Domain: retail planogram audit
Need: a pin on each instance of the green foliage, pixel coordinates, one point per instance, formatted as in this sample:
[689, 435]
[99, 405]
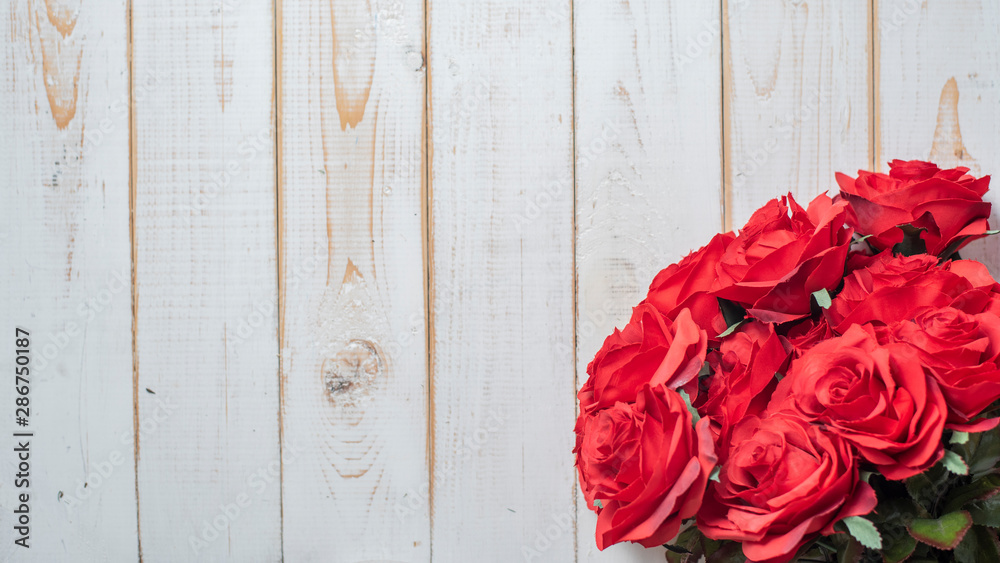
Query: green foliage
[863, 530]
[981, 452]
[980, 544]
[985, 512]
[691, 546]
[954, 463]
[912, 242]
[695, 417]
[733, 314]
[944, 532]
[823, 298]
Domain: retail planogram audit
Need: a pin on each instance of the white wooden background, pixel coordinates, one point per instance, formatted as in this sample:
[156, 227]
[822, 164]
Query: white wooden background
[317, 281]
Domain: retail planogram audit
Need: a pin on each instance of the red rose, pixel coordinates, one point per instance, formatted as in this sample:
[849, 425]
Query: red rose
[650, 349]
[785, 482]
[984, 297]
[743, 376]
[878, 397]
[685, 285]
[778, 260]
[885, 289]
[646, 464]
[807, 334]
[948, 204]
[963, 351]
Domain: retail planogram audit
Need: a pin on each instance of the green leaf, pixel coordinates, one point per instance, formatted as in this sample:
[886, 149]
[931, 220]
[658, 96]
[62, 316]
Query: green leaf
[715, 473]
[912, 243]
[597, 503]
[864, 531]
[895, 510]
[926, 488]
[996, 232]
[900, 548]
[981, 452]
[952, 250]
[979, 489]
[954, 463]
[848, 549]
[731, 312]
[695, 417]
[960, 438]
[823, 298]
[985, 512]
[731, 329]
[978, 545]
[944, 532]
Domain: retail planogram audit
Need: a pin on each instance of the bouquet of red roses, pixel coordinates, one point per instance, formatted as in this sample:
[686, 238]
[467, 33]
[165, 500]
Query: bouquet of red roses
[822, 385]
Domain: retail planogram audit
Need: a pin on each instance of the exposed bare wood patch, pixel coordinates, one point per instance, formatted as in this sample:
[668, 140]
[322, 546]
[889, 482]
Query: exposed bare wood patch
[354, 344]
[61, 57]
[64, 168]
[947, 148]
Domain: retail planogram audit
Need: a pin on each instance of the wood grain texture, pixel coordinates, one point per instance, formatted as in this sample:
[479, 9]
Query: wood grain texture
[206, 282]
[648, 167]
[502, 280]
[938, 92]
[65, 264]
[354, 364]
[797, 98]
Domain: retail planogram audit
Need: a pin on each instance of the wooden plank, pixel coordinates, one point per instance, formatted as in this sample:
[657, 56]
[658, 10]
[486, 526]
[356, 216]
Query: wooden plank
[649, 178]
[64, 168]
[206, 282]
[797, 98]
[938, 85]
[502, 279]
[354, 342]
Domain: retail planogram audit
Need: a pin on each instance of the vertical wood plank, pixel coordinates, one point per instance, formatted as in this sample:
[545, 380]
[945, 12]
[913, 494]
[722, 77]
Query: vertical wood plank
[797, 98]
[502, 279]
[65, 268]
[649, 178]
[354, 363]
[938, 91]
[206, 282]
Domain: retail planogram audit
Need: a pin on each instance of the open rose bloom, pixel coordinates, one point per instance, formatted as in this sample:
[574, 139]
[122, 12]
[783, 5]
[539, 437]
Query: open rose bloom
[822, 385]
